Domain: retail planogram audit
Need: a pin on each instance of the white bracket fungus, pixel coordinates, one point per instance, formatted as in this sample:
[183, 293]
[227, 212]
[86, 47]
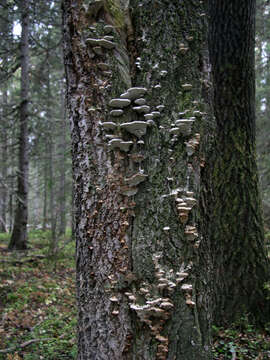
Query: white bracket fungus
[117, 112]
[101, 42]
[109, 125]
[134, 93]
[149, 116]
[119, 103]
[187, 288]
[108, 37]
[137, 128]
[160, 107]
[142, 109]
[187, 86]
[108, 29]
[184, 126]
[140, 101]
[120, 144]
[191, 233]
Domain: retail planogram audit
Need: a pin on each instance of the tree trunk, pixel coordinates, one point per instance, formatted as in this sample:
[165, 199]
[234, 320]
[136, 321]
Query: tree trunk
[235, 222]
[45, 193]
[19, 234]
[62, 152]
[4, 164]
[142, 276]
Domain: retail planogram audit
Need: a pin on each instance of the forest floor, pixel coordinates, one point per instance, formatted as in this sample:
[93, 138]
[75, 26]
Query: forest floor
[38, 308]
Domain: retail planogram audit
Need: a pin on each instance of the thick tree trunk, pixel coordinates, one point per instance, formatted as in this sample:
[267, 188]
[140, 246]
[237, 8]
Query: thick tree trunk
[19, 234]
[235, 222]
[142, 284]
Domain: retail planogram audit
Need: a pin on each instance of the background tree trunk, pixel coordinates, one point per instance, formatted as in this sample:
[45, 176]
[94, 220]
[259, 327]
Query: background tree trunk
[142, 284]
[235, 222]
[19, 234]
[63, 167]
[4, 163]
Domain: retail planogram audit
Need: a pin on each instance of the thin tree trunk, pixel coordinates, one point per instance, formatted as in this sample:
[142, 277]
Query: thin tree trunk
[235, 221]
[4, 165]
[45, 192]
[62, 183]
[19, 234]
[142, 284]
[52, 205]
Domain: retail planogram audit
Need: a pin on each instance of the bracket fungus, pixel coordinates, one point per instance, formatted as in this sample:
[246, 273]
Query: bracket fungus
[190, 201]
[103, 66]
[187, 87]
[120, 144]
[98, 50]
[101, 42]
[108, 29]
[114, 299]
[140, 101]
[108, 125]
[119, 103]
[142, 109]
[135, 179]
[117, 112]
[174, 131]
[192, 144]
[191, 233]
[137, 128]
[160, 107]
[134, 93]
[108, 37]
[128, 191]
[187, 288]
[184, 126]
[156, 114]
[149, 116]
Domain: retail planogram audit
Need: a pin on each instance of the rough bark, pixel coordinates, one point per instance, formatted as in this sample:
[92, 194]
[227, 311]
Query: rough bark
[235, 222]
[142, 286]
[19, 234]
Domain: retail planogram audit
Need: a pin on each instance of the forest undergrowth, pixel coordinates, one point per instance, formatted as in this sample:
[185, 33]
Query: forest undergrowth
[38, 308]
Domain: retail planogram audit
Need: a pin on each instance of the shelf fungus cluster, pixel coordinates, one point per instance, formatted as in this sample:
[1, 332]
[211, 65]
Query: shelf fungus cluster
[153, 304]
[187, 289]
[192, 144]
[184, 205]
[126, 136]
[99, 46]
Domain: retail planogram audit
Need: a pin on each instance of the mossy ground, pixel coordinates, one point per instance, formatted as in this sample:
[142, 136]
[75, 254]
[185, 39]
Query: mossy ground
[37, 302]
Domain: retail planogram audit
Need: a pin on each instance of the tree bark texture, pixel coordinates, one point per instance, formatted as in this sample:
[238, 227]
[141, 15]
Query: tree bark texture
[19, 234]
[4, 165]
[142, 278]
[235, 222]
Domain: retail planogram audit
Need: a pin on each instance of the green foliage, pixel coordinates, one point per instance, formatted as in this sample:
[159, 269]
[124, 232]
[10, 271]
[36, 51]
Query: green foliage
[242, 341]
[37, 300]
